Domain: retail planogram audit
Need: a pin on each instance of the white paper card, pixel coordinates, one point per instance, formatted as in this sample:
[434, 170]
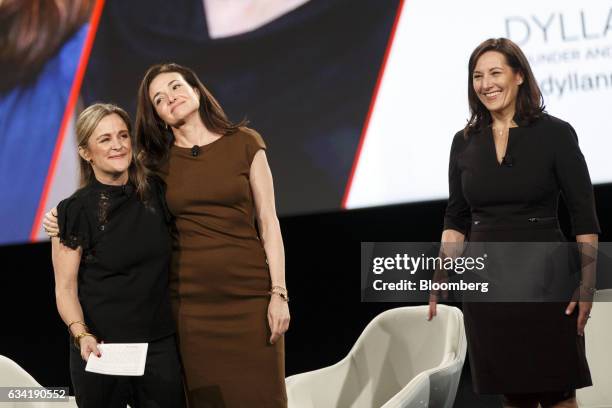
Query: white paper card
[119, 359]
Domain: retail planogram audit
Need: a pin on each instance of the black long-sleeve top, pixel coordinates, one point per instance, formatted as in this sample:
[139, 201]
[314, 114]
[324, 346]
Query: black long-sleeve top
[543, 160]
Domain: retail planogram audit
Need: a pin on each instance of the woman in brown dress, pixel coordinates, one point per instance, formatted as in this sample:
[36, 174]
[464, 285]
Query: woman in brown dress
[228, 284]
[228, 278]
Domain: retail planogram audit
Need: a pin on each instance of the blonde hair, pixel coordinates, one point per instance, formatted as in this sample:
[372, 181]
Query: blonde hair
[86, 123]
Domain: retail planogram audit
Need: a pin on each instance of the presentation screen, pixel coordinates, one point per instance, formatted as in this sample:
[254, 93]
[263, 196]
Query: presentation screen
[356, 100]
[422, 98]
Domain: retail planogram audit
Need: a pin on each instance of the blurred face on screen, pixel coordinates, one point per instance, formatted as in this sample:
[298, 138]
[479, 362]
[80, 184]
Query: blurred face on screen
[495, 83]
[109, 148]
[173, 98]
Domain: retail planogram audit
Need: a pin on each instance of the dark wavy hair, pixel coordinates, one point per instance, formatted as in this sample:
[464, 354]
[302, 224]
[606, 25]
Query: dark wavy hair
[152, 135]
[32, 31]
[529, 101]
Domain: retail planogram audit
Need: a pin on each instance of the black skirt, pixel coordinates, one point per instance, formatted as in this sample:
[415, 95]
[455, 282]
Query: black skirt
[523, 347]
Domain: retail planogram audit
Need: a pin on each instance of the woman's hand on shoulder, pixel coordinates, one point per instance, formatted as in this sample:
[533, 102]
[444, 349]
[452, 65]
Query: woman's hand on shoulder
[50, 223]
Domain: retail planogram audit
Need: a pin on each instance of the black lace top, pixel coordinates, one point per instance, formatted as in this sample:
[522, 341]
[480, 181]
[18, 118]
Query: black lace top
[123, 275]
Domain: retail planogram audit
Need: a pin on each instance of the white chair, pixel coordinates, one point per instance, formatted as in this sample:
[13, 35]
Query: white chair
[12, 375]
[598, 337]
[400, 360]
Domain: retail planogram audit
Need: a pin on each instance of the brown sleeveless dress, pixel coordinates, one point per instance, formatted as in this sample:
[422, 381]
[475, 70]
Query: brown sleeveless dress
[220, 279]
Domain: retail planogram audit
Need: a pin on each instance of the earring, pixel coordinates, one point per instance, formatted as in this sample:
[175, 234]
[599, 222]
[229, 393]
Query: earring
[167, 127]
[91, 161]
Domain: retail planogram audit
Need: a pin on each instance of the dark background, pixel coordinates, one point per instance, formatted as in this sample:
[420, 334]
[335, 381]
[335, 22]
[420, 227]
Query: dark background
[323, 276]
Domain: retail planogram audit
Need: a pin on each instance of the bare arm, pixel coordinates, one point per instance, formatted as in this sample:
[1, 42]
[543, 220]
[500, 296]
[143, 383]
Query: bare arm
[272, 240]
[269, 227]
[66, 268]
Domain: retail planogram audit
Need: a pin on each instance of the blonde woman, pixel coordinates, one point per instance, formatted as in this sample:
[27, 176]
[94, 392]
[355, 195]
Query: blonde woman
[111, 264]
[228, 283]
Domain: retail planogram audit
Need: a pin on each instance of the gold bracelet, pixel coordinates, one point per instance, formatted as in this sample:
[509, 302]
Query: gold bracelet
[79, 336]
[82, 323]
[277, 287]
[283, 295]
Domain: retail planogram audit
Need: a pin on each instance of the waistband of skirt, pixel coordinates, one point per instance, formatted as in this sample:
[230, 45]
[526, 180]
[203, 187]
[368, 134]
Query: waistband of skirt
[516, 223]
